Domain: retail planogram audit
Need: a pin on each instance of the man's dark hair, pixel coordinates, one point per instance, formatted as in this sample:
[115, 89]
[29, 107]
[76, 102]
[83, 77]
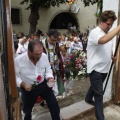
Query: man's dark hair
[52, 32]
[38, 32]
[33, 43]
[108, 14]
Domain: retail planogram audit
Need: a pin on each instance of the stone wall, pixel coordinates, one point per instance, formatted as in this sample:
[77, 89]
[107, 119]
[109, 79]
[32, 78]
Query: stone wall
[2, 97]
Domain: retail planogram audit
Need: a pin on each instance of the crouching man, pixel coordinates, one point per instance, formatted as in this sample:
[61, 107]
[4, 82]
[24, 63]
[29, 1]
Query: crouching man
[34, 77]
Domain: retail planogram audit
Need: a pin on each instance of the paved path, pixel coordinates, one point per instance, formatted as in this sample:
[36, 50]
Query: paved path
[111, 112]
[77, 111]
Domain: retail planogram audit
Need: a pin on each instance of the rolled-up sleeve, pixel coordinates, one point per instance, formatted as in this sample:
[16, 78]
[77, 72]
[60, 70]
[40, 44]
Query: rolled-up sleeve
[17, 72]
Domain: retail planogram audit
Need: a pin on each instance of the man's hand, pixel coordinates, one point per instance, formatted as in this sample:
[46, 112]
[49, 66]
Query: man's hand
[56, 62]
[51, 82]
[26, 86]
[51, 79]
[51, 63]
[113, 58]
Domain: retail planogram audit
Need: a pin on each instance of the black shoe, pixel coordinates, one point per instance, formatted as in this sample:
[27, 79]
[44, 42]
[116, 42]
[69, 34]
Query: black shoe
[91, 102]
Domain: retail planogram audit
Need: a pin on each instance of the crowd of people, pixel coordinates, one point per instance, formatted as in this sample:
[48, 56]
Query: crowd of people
[65, 44]
[57, 48]
[40, 61]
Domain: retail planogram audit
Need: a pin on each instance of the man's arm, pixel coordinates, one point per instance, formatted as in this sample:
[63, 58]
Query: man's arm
[19, 82]
[109, 36]
[17, 71]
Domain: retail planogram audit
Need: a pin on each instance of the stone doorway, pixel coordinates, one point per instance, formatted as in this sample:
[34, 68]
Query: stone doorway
[62, 21]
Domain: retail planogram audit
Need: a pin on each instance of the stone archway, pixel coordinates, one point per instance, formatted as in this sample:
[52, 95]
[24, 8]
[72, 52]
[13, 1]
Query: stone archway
[62, 21]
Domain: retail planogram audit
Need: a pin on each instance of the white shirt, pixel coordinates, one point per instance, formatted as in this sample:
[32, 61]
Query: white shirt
[77, 46]
[26, 45]
[27, 72]
[62, 42]
[98, 55]
[21, 49]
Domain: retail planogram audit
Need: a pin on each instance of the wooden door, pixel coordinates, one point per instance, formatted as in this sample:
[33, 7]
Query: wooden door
[116, 80]
[12, 99]
[116, 77]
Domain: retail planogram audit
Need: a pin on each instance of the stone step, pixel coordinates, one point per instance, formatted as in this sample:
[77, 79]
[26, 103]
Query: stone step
[79, 91]
[74, 110]
[69, 112]
[67, 101]
[112, 112]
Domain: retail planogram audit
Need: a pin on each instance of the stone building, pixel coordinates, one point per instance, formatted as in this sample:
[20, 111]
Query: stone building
[83, 17]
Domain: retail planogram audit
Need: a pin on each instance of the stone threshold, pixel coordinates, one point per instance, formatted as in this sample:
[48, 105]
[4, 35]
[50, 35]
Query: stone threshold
[72, 111]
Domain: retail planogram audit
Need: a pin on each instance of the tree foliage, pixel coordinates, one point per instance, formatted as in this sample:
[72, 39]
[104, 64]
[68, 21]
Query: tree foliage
[99, 9]
[88, 2]
[99, 5]
[44, 3]
[34, 6]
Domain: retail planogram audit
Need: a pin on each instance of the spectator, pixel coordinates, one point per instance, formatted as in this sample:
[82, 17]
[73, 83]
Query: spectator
[51, 48]
[75, 45]
[21, 45]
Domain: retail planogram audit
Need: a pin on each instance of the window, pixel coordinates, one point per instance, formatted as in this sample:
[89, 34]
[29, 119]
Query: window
[16, 15]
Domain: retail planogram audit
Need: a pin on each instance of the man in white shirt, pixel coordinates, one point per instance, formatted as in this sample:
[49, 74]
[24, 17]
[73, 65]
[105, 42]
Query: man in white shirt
[75, 44]
[21, 45]
[99, 54]
[33, 76]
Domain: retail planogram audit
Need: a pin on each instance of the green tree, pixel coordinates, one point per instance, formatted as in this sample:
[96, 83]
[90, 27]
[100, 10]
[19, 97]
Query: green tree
[99, 5]
[34, 6]
[88, 2]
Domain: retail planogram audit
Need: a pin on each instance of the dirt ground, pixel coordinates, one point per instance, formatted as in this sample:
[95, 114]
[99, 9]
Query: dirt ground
[80, 88]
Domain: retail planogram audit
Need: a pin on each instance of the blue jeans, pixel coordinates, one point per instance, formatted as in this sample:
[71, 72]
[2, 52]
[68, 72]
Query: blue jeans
[96, 91]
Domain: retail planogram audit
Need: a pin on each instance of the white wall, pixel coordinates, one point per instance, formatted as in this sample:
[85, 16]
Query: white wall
[111, 5]
[86, 16]
[24, 27]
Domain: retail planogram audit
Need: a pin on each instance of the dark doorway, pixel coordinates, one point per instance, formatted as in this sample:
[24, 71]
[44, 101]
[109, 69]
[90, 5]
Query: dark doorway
[63, 20]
